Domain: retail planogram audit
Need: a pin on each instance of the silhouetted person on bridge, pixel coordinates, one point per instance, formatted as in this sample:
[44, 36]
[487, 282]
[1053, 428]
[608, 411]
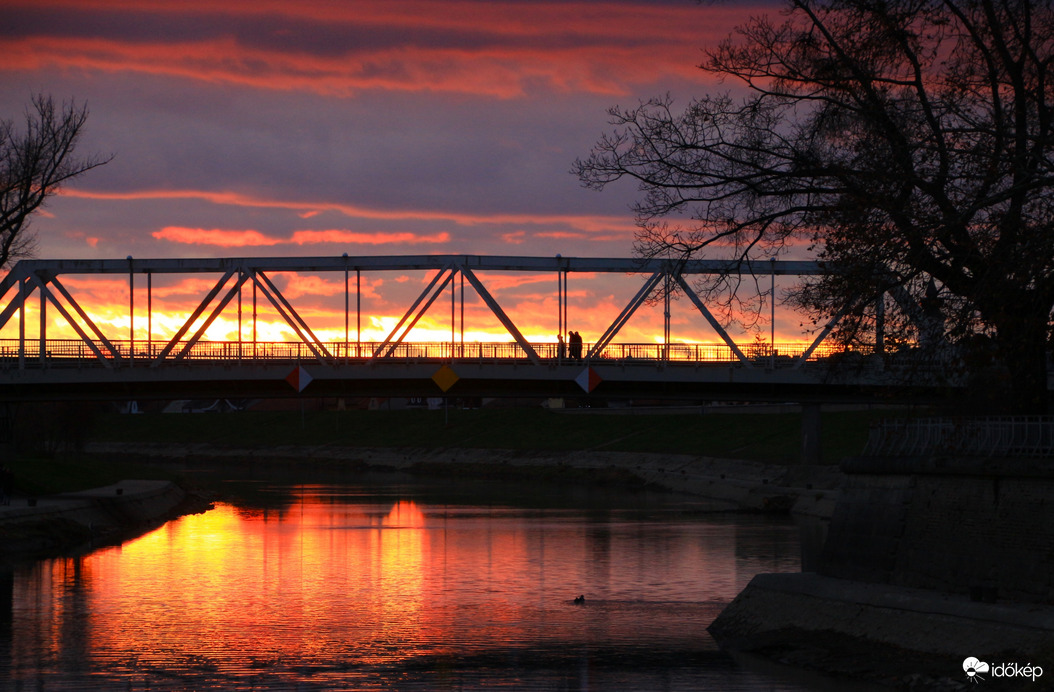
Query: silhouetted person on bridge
[576, 345]
[561, 348]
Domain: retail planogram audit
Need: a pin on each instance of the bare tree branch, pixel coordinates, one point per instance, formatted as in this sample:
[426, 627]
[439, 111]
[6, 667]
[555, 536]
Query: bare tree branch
[34, 164]
[908, 141]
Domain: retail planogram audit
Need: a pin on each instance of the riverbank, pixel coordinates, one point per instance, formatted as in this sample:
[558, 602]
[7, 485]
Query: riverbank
[900, 637]
[928, 561]
[721, 432]
[63, 523]
[732, 483]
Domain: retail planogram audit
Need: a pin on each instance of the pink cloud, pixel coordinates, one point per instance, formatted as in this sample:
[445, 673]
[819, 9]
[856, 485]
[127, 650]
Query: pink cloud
[612, 226]
[598, 48]
[216, 237]
[339, 236]
[226, 238]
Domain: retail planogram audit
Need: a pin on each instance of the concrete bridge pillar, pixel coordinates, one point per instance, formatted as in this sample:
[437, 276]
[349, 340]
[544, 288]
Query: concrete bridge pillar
[810, 434]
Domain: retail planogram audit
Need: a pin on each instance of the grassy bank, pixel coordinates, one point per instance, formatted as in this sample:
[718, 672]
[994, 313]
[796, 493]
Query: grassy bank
[49, 475]
[768, 437]
[755, 436]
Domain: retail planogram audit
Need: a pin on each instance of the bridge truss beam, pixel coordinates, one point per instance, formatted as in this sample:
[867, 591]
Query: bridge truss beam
[42, 277]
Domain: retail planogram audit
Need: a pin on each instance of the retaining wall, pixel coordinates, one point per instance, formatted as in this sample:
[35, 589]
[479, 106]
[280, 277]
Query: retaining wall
[982, 527]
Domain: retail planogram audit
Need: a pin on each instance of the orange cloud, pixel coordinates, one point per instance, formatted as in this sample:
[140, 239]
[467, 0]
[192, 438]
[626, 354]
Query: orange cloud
[560, 235]
[218, 237]
[338, 236]
[587, 223]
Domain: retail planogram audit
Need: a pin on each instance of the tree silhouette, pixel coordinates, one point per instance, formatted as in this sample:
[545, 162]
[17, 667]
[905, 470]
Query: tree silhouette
[907, 143]
[34, 163]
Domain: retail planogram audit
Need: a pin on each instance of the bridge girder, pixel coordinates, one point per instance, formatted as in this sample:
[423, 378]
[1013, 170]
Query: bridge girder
[113, 360]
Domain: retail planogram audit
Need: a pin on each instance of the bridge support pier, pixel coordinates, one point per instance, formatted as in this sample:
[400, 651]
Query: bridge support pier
[810, 434]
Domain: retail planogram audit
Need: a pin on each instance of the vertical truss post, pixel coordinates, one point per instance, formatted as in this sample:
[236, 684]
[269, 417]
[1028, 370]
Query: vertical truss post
[453, 322]
[772, 313]
[241, 280]
[566, 326]
[253, 273]
[347, 300]
[22, 324]
[150, 315]
[131, 313]
[666, 288]
[559, 303]
[358, 313]
[42, 334]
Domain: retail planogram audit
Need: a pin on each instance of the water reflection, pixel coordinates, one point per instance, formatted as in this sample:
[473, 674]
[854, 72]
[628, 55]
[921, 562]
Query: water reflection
[340, 588]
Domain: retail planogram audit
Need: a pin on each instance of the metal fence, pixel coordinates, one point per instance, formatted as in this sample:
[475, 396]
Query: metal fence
[993, 436]
[58, 352]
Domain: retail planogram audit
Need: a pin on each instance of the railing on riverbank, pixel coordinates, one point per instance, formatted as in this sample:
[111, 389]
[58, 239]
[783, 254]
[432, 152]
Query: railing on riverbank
[992, 436]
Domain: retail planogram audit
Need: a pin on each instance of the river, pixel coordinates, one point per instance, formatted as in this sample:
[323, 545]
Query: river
[389, 584]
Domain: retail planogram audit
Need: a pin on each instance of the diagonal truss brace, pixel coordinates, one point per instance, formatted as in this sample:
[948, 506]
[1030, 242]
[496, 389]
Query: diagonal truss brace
[24, 279]
[431, 292]
[712, 320]
[115, 355]
[831, 324]
[233, 291]
[627, 312]
[174, 341]
[16, 277]
[291, 316]
[500, 314]
[428, 296]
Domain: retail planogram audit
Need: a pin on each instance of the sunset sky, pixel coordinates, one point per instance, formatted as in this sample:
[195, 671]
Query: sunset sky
[266, 128]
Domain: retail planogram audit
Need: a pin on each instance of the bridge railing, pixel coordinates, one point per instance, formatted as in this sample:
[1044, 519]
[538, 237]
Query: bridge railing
[76, 352]
[991, 436]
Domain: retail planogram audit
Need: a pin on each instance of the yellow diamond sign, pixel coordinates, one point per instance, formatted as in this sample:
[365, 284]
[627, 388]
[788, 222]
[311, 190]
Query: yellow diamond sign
[445, 377]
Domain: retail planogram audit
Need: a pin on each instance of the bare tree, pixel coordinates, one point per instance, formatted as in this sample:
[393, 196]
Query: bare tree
[34, 163]
[907, 143]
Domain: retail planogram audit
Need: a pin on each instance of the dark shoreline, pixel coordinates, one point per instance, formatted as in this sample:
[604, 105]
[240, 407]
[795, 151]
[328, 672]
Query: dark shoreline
[741, 485]
[76, 523]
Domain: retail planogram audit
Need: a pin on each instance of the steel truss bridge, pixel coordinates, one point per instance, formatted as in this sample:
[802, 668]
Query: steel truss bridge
[97, 364]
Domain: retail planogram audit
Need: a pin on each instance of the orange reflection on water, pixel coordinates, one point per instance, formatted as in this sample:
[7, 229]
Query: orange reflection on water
[251, 588]
[321, 587]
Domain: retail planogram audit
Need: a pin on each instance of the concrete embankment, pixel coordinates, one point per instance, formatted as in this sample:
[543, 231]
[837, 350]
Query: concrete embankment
[56, 523]
[927, 562]
[899, 636]
[738, 484]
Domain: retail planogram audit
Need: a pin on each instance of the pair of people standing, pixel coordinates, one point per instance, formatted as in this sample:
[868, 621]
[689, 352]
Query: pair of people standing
[574, 340]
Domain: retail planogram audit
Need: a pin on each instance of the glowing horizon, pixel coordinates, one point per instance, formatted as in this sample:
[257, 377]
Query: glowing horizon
[529, 300]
